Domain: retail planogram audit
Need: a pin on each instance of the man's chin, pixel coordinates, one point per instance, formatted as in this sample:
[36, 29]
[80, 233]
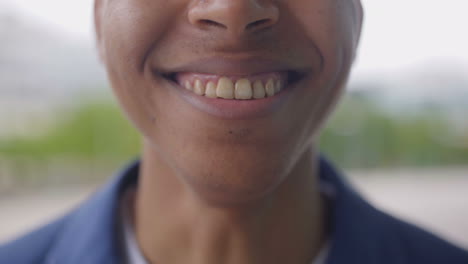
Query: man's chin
[235, 187]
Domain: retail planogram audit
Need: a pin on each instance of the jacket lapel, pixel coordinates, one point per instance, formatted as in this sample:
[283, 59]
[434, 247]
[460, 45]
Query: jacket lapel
[91, 234]
[360, 232]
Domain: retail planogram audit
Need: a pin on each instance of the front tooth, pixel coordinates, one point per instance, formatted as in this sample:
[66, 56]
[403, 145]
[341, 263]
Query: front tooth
[225, 88]
[198, 88]
[243, 89]
[277, 86]
[258, 90]
[270, 87]
[188, 85]
[210, 90]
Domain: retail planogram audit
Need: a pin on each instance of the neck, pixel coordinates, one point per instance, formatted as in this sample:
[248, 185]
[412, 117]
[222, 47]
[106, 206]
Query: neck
[174, 226]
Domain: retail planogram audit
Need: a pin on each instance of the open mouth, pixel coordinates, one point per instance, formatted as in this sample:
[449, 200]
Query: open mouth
[241, 88]
[246, 87]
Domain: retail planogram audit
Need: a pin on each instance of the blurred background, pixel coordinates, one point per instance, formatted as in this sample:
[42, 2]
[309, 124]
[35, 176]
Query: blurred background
[400, 133]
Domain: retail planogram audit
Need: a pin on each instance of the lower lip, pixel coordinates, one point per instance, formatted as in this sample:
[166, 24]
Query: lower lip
[235, 109]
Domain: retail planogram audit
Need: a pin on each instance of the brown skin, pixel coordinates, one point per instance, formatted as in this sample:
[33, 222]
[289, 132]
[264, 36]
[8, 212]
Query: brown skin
[214, 190]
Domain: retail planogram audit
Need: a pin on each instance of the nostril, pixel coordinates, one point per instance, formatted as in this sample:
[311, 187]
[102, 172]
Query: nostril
[234, 16]
[210, 23]
[259, 23]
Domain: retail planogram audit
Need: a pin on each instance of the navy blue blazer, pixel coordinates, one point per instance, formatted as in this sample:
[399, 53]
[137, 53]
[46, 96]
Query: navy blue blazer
[361, 234]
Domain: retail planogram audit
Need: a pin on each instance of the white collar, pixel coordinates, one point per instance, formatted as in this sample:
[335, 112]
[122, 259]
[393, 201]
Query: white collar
[133, 253]
[132, 250]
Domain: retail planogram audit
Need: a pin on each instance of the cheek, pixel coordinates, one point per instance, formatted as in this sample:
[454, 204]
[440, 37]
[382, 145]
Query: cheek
[330, 25]
[129, 32]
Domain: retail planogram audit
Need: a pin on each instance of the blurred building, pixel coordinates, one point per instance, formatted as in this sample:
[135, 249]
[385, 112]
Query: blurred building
[40, 71]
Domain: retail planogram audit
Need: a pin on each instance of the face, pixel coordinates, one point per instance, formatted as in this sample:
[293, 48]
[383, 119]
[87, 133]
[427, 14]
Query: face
[229, 94]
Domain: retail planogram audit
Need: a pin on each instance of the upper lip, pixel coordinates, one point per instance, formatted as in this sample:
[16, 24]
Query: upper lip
[227, 66]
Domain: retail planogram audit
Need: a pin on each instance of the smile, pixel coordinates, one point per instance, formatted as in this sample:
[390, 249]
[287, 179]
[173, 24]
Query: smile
[233, 87]
[228, 89]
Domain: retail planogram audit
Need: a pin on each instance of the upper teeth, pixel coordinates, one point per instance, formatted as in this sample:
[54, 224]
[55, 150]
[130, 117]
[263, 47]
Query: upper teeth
[242, 89]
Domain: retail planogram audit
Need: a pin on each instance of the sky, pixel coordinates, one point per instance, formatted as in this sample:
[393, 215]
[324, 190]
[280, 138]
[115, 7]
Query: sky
[397, 34]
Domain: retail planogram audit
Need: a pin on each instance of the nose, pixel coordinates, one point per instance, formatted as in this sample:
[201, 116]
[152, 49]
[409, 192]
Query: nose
[234, 16]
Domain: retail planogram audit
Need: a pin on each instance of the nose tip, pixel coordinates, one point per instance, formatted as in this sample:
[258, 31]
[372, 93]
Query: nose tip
[234, 16]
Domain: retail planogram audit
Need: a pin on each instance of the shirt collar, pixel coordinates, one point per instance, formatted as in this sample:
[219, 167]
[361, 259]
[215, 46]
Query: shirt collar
[91, 233]
[132, 250]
